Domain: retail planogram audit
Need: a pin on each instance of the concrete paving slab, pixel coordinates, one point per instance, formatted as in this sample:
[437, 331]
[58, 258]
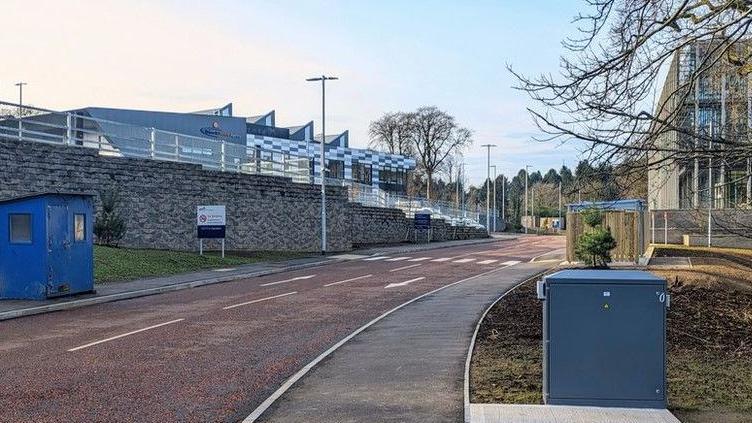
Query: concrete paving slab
[519, 413]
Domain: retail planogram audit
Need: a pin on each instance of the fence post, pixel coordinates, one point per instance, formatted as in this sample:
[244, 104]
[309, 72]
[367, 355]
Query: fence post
[665, 227]
[222, 155]
[177, 147]
[69, 128]
[20, 126]
[652, 227]
[152, 142]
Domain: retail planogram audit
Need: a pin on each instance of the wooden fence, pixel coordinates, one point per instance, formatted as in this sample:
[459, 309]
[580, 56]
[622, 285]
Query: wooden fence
[629, 229]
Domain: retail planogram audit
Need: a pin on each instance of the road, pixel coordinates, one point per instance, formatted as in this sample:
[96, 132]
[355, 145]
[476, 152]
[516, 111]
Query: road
[215, 353]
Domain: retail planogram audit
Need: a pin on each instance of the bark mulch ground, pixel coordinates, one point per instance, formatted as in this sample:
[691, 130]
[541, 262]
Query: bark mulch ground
[709, 337]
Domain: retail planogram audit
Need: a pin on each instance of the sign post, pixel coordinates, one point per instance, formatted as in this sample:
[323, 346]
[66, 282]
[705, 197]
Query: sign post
[423, 224]
[210, 224]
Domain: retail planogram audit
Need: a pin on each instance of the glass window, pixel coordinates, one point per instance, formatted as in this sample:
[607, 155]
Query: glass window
[362, 173]
[336, 169]
[79, 227]
[20, 228]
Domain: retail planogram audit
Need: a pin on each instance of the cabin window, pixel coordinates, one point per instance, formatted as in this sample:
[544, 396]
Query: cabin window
[20, 228]
[79, 227]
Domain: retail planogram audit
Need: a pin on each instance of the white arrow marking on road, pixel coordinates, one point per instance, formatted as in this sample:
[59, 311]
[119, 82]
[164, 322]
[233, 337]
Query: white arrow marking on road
[297, 278]
[349, 280]
[375, 258]
[510, 263]
[420, 259]
[124, 335]
[392, 285]
[487, 261]
[398, 258]
[259, 300]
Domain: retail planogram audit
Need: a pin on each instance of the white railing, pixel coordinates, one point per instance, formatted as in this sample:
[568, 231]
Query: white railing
[111, 138]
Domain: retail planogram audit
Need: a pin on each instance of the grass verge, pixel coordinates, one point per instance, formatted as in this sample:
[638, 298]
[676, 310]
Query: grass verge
[709, 334]
[123, 264]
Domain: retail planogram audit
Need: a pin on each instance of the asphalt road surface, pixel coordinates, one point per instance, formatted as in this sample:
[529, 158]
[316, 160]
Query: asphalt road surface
[215, 353]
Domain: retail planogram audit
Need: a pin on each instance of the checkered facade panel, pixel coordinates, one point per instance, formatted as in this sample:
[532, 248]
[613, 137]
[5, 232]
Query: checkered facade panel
[376, 159]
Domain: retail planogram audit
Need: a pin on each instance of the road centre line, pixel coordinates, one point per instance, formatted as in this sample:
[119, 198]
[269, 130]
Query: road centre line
[112, 338]
[297, 278]
[259, 300]
[349, 280]
[510, 263]
[406, 267]
[398, 259]
[420, 259]
[487, 261]
[439, 260]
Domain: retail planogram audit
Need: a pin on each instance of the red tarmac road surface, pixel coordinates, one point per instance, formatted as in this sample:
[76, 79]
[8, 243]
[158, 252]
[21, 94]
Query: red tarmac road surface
[213, 353]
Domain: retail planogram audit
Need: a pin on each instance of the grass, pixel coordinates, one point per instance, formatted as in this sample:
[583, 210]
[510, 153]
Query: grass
[709, 335]
[123, 264]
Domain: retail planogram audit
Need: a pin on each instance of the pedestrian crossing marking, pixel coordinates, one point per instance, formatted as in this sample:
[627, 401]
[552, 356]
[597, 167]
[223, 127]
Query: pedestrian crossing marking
[420, 259]
[442, 259]
[375, 258]
[487, 261]
[465, 260]
[398, 259]
[510, 263]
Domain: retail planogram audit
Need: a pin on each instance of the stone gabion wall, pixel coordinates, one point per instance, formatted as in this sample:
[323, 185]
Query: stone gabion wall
[159, 198]
[159, 201]
[373, 225]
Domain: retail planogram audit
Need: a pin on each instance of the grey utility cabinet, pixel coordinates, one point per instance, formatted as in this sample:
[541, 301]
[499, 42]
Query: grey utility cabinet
[604, 338]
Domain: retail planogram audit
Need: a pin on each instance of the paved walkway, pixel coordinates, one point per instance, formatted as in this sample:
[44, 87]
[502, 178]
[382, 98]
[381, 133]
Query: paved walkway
[503, 413]
[409, 366]
[10, 309]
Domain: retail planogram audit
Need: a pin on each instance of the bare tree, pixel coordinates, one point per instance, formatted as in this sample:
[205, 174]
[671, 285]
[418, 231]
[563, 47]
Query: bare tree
[435, 136]
[605, 93]
[391, 133]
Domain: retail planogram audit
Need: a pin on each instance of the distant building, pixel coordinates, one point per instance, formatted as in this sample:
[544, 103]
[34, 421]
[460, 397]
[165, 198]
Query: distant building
[716, 107]
[388, 172]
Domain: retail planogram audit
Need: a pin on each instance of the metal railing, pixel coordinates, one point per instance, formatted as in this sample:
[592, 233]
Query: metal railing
[112, 138]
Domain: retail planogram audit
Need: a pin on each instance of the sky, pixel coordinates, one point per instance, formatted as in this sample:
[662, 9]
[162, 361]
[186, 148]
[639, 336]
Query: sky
[181, 55]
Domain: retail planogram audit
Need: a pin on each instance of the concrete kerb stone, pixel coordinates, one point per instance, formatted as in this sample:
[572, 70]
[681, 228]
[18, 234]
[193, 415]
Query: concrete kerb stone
[68, 305]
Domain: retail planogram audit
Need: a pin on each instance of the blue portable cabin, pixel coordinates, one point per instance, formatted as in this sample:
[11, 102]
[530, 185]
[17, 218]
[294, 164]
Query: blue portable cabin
[46, 246]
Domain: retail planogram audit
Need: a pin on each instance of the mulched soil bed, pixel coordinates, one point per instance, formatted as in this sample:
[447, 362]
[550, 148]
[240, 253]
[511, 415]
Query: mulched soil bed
[709, 346]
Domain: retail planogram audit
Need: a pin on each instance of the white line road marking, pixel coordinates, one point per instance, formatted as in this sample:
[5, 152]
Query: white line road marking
[375, 258]
[392, 285]
[487, 261]
[420, 259]
[227, 269]
[91, 344]
[442, 259]
[465, 260]
[398, 258]
[510, 263]
[406, 267]
[349, 280]
[297, 278]
[349, 256]
[259, 300]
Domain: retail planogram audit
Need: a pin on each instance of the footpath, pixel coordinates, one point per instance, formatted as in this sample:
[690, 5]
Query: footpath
[116, 291]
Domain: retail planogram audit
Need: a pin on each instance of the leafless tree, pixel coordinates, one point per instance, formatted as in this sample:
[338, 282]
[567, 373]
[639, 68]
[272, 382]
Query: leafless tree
[391, 133]
[435, 136]
[605, 93]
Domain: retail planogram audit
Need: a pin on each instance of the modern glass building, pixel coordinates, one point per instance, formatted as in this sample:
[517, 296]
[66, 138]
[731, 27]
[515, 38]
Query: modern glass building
[713, 112]
[262, 139]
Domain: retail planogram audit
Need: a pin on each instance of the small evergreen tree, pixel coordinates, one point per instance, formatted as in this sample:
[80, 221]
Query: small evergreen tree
[595, 245]
[109, 227]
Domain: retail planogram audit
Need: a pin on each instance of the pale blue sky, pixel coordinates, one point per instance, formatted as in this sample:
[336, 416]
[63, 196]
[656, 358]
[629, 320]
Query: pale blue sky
[390, 55]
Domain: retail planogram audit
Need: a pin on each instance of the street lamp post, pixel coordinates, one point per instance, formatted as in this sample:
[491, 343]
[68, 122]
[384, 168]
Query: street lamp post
[494, 198]
[526, 178]
[488, 185]
[20, 86]
[503, 198]
[323, 79]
